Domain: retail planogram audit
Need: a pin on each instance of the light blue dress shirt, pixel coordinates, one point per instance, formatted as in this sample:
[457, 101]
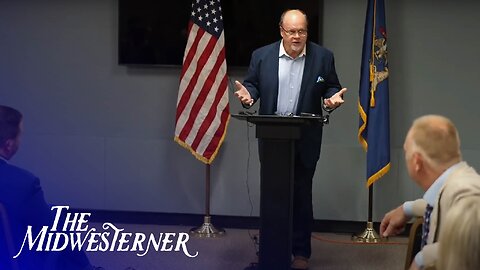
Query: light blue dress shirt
[290, 73]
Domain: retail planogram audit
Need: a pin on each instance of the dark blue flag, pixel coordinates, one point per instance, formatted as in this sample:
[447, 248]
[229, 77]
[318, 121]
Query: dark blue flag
[374, 126]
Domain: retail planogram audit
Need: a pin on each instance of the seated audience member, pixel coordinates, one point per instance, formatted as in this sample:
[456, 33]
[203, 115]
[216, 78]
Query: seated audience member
[22, 197]
[434, 162]
[459, 247]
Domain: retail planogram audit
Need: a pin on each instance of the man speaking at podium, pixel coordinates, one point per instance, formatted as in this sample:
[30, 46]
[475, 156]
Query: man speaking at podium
[293, 76]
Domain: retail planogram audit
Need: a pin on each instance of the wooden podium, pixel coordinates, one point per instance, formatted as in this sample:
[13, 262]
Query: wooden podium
[277, 158]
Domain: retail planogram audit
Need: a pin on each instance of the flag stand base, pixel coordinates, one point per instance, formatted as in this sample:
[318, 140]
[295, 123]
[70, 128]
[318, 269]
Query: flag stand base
[369, 235]
[207, 229]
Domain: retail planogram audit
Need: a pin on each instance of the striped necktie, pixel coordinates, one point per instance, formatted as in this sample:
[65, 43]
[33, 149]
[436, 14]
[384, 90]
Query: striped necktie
[426, 224]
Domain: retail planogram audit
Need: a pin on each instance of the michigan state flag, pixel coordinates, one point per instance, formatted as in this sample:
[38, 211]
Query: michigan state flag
[373, 107]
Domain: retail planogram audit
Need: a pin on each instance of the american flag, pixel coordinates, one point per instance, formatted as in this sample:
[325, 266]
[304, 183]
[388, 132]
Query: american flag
[202, 104]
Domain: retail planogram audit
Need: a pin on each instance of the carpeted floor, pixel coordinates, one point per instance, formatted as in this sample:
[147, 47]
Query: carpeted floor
[236, 250]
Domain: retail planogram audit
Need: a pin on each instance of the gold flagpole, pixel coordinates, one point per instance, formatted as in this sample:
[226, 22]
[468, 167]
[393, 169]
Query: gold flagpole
[207, 229]
[369, 235]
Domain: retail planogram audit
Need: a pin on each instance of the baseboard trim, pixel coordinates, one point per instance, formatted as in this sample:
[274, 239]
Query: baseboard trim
[221, 221]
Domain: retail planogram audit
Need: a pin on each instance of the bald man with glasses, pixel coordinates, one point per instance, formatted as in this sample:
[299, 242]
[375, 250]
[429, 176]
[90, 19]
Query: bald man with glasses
[290, 77]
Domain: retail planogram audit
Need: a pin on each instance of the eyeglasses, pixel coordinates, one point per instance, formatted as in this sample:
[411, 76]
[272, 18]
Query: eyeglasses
[301, 32]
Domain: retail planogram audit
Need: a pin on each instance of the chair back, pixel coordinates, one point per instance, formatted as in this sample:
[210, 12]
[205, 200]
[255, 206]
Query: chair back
[414, 241]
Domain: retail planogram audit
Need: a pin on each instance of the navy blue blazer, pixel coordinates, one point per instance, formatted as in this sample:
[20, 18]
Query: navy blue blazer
[319, 81]
[22, 196]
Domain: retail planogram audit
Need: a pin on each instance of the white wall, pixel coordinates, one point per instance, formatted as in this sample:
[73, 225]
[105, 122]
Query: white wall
[100, 135]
